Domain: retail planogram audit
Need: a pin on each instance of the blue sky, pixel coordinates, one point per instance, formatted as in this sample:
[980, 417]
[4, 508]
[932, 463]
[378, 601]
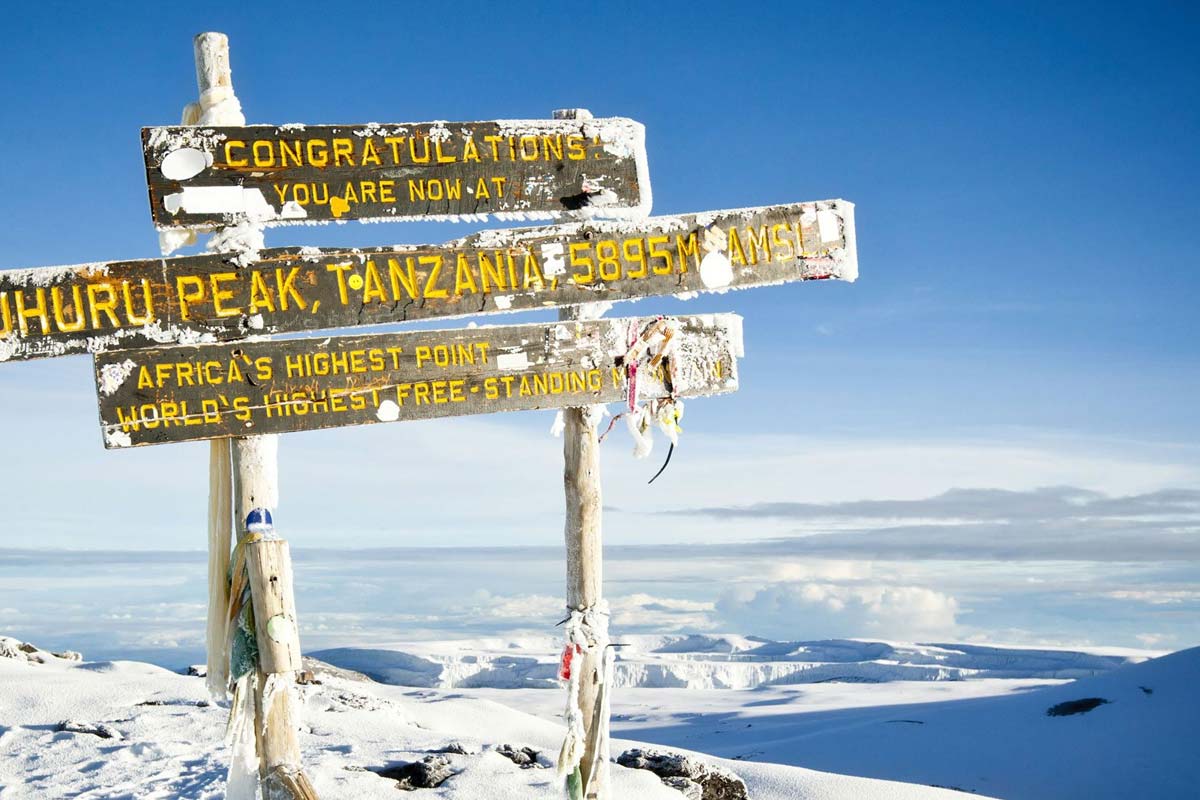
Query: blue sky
[1026, 186]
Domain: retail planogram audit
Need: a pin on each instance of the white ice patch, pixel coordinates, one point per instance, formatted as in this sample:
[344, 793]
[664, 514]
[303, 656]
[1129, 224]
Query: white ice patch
[388, 411]
[716, 271]
[171, 240]
[828, 226]
[512, 361]
[113, 375]
[736, 340]
[244, 238]
[117, 438]
[292, 210]
[185, 163]
[603, 199]
[553, 262]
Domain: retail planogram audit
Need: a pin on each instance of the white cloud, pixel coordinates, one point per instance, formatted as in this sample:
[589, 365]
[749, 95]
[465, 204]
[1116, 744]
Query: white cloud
[805, 610]
[1059, 522]
[641, 612]
[827, 570]
[1157, 597]
[528, 607]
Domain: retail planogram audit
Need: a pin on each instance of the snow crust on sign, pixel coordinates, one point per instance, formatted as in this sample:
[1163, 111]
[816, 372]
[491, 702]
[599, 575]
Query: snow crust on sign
[47, 276]
[113, 375]
[155, 332]
[169, 741]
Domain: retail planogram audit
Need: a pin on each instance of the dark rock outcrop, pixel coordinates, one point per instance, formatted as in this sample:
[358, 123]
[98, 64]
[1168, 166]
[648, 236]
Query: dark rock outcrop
[716, 783]
[523, 757]
[92, 728]
[1081, 706]
[428, 773]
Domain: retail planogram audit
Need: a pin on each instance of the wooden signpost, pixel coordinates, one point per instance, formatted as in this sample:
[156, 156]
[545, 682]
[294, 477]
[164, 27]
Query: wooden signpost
[519, 169]
[182, 354]
[183, 393]
[54, 311]
[264, 723]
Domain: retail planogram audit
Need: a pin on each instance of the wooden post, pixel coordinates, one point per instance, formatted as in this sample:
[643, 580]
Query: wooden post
[269, 570]
[220, 540]
[585, 559]
[256, 486]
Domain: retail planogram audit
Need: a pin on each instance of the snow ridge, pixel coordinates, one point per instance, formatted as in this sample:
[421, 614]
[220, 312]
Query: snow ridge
[720, 662]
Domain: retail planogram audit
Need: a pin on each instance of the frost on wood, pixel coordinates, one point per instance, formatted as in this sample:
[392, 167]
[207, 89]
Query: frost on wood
[257, 460]
[259, 387]
[113, 375]
[220, 173]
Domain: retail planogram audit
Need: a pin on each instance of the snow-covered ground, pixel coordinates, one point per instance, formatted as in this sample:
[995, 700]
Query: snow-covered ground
[975, 719]
[966, 716]
[165, 741]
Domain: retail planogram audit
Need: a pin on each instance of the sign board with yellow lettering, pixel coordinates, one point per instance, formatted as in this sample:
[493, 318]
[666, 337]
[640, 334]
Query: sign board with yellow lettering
[519, 169]
[216, 298]
[182, 393]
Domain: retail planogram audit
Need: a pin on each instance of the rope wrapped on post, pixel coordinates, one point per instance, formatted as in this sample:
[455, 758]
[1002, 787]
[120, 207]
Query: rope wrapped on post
[586, 632]
[264, 652]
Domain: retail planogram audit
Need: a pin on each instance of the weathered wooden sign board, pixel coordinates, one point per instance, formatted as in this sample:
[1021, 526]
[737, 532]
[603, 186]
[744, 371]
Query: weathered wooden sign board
[182, 393]
[535, 169]
[212, 298]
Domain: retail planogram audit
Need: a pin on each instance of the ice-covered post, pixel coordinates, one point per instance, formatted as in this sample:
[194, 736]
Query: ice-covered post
[255, 487]
[588, 624]
[269, 575]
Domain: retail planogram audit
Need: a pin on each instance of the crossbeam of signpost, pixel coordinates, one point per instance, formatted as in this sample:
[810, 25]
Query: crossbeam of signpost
[513, 169]
[184, 393]
[55, 311]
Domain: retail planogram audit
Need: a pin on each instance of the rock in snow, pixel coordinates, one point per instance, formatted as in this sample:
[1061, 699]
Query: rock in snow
[93, 728]
[523, 757]
[428, 773]
[1070, 707]
[28, 653]
[716, 783]
[686, 786]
